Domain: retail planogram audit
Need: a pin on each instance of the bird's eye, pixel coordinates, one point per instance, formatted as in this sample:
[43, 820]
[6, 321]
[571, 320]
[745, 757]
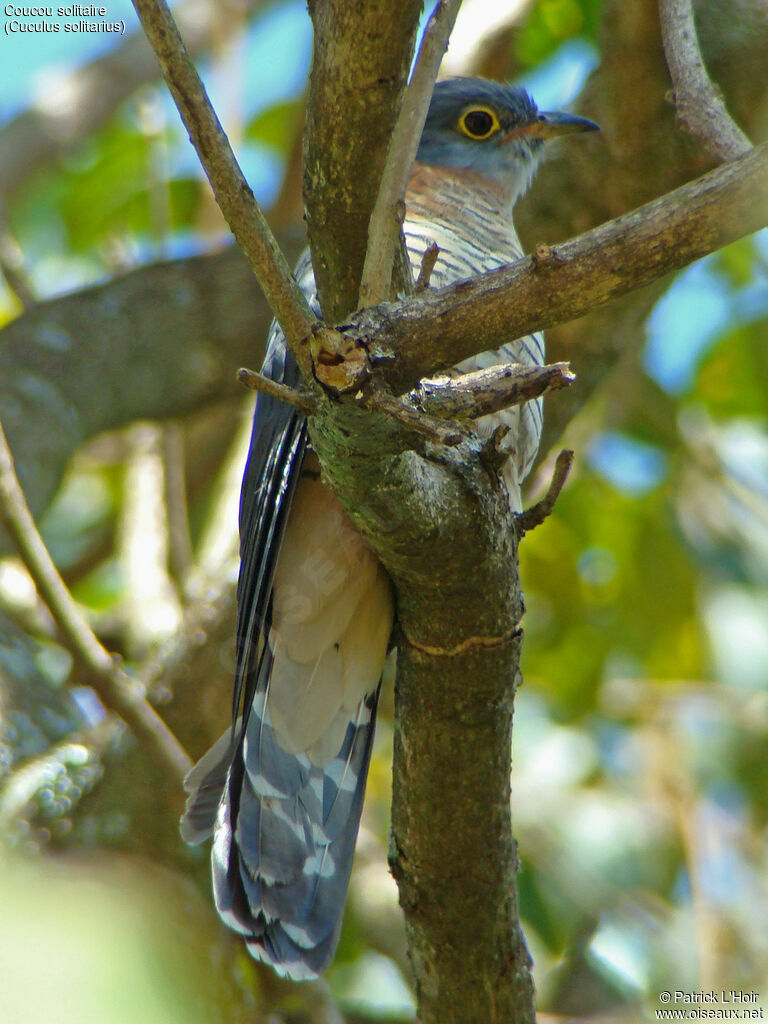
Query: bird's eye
[478, 122]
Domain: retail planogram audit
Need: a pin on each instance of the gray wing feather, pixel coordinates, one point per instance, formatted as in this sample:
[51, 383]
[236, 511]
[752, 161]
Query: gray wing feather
[281, 873]
[291, 858]
[205, 784]
[284, 828]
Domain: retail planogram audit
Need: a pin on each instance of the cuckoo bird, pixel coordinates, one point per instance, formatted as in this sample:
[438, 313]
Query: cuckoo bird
[282, 791]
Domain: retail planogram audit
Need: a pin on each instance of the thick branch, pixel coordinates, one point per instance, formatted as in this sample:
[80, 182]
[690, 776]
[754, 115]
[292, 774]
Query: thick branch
[384, 227]
[76, 365]
[361, 59]
[452, 853]
[700, 106]
[439, 329]
[233, 194]
[444, 530]
[113, 684]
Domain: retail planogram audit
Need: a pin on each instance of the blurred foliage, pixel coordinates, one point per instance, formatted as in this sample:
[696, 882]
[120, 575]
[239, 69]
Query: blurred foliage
[119, 941]
[102, 202]
[553, 22]
[276, 126]
[732, 378]
[641, 733]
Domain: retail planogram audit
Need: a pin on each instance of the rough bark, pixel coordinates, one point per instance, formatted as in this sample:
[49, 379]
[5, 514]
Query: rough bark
[440, 526]
[443, 529]
[200, 304]
[457, 883]
[458, 608]
[428, 332]
[362, 54]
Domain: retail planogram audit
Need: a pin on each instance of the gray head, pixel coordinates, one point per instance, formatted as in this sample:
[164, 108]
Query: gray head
[493, 129]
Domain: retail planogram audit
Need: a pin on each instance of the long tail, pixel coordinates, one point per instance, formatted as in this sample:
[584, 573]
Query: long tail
[284, 837]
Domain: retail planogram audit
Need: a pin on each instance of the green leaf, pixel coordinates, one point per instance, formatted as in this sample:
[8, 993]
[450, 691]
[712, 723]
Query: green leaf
[96, 190]
[731, 378]
[736, 262]
[608, 582]
[276, 126]
[552, 22]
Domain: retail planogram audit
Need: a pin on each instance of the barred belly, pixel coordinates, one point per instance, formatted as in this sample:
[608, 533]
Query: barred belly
[475, 234]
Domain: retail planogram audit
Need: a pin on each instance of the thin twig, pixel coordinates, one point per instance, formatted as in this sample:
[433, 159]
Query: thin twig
[536, 514]
[12, 264]
[384, 227]
[113, 684]
[151, 609]
[701, 110]
[428, 261]
[301, 400]
[232, 191]
[435, 430]
[180, 554]
[402, 271]
[486, 391]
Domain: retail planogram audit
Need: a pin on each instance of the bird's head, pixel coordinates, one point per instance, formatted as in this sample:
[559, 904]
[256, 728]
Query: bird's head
[492, 129]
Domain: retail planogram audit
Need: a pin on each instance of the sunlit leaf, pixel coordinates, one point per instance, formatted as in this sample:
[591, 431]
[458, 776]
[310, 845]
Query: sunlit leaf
[732, 378]
[736, 262]
[551, 22]
[276, 126]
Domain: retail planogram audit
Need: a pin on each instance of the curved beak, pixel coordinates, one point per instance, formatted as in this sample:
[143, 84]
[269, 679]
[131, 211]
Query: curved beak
[552, 123]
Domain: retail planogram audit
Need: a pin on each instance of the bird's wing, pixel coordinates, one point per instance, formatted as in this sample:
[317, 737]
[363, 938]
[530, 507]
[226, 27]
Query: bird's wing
[282, 792]
[273, 469]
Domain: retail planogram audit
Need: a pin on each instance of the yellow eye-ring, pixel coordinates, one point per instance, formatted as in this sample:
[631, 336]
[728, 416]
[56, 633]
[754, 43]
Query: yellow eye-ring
[478, 122]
